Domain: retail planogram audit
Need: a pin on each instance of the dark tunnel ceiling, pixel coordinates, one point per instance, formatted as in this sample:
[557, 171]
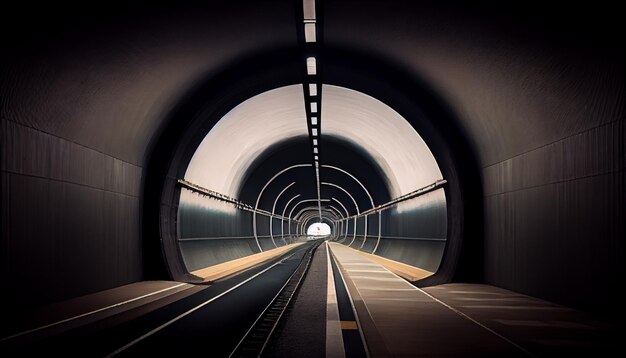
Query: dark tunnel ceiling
[290, 152]
[520, 85]
[361, 137]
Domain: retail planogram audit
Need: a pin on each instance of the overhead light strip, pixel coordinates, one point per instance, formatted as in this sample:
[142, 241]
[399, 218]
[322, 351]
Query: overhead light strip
[311, 66]
[309, 9]
[312, 85]
[309, 32]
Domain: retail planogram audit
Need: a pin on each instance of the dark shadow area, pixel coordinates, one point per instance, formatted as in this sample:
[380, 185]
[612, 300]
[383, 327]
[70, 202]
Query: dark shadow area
[408, 96]
[438, 126]
[178, 139]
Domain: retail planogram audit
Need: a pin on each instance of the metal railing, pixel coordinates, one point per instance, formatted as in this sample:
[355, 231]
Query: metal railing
[225, 198]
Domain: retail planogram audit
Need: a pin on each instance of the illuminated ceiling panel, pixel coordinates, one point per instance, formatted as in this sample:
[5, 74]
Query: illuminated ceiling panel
[389, 139]
[231, 146]
[228, 150]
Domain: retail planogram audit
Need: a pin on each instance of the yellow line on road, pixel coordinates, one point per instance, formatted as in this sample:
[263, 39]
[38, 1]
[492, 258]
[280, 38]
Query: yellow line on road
[349, 325]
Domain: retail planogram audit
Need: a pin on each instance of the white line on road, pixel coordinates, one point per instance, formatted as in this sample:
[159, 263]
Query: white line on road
[132, 343]
[89, 313]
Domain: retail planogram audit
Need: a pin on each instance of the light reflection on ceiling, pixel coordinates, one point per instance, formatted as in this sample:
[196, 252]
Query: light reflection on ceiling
[231, 146]
[228, 150]
[386, 136]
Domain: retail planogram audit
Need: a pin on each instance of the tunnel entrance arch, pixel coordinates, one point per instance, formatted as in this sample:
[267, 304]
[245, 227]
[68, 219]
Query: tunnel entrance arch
[202, 117]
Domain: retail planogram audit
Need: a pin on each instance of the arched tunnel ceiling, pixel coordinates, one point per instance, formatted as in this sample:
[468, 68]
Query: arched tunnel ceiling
[516, 75]
[525, 83]
[107, 79]
[224, 157]
[244, 133]
[383, 134]
[292, 152]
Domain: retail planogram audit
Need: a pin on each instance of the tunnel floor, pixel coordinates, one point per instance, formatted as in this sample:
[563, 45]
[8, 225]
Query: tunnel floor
[347, 305]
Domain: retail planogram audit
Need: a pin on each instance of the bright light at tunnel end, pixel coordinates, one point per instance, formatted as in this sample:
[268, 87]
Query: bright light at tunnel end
[318, 229]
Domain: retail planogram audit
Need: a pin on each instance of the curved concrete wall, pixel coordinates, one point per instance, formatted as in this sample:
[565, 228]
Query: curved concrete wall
[84, 95]
[413, 232]
[540, 93]
[540, 96]
[416, 236]
[211, 232]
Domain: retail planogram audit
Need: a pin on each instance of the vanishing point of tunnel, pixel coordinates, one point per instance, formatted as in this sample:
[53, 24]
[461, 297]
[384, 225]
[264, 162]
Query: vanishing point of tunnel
[312, 178]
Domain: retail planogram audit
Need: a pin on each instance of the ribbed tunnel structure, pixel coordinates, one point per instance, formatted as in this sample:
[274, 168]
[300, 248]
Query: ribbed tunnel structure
[380, 188]
[477, 144]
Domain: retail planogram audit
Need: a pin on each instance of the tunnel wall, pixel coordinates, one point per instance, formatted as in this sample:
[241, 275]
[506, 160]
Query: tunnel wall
[211, 232]
[416, 235]
[61, 198]
[413, 232]
[84, 95]
[540, 94]
[360, 233]
[372, 233]
[555, 218]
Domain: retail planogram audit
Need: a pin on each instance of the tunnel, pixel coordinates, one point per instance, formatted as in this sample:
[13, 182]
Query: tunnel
[372, 157]
[406, 178]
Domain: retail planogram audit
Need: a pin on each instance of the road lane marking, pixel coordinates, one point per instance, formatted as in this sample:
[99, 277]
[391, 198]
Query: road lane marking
[334, 337]
[173, 320]
[349, 325]
[461, 313]
[89, 313]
